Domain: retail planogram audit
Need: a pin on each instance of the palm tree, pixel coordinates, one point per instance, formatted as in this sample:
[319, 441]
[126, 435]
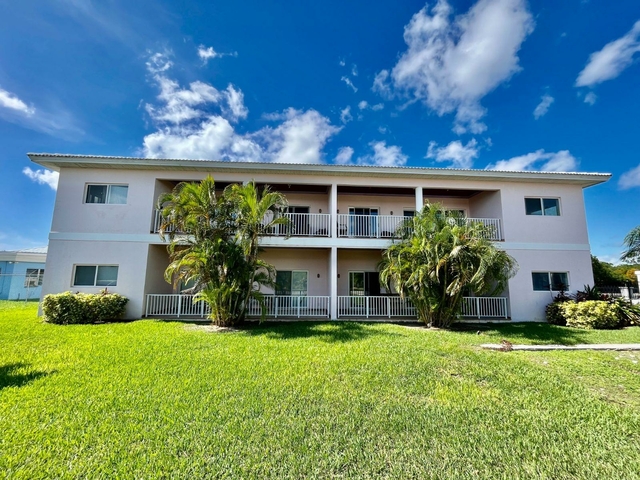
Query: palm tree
[214, 243]
[439, 257]
[632, 242]
[258, 212]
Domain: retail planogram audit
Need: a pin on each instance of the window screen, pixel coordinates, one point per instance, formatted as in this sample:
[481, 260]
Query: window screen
[533, 206]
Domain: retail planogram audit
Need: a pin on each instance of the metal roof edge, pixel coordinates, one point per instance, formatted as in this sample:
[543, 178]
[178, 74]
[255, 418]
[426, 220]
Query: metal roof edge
[55, 161]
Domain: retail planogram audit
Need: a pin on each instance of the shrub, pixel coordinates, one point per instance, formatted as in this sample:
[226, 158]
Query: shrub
[589, 293]
[555, 314]
[628, 314]
[591, 314]
[75, 308]
[554, 311]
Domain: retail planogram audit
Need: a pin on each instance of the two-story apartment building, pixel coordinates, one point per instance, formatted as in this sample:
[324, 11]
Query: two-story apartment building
[104, 232]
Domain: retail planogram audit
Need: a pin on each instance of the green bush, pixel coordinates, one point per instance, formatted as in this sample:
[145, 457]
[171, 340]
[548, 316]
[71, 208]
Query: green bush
[555, 313]
[75, 308]
[591, 314]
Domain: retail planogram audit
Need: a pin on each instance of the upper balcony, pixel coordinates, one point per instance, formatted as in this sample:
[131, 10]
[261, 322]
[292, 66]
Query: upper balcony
[352, 225]
[368, 212]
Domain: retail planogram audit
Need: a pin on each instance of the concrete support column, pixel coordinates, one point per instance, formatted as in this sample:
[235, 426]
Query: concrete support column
[333, 282]
[419, 199]
[333, 209]
[637, 272]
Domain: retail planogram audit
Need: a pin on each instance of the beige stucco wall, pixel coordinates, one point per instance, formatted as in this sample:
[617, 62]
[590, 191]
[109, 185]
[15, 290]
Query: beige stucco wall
[315, 261]
[131, 259]
[529, 305]
[351, 260]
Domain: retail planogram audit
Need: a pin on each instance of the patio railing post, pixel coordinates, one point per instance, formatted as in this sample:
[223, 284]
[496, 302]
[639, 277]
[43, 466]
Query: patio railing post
[478, 306]
[179, 305]
[367, 305]
[276, 307]
[389, 307]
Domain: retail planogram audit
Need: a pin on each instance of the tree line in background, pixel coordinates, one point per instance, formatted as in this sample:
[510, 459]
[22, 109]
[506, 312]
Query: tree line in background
[607, 274]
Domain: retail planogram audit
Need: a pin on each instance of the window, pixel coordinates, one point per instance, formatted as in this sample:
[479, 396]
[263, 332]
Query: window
[292, 283]
[95, 276]
[33, 277]
[409, 213]
[550, 281]
[110, 194]
[542, 206]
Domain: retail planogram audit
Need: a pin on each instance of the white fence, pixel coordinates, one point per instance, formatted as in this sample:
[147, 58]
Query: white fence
[292, 306]
[381, 306]
[278, 306]
[484, 307]
[175, 305]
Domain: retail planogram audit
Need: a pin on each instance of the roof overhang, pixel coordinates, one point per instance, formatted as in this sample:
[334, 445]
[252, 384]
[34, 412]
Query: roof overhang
[30, 257]
[56, 162]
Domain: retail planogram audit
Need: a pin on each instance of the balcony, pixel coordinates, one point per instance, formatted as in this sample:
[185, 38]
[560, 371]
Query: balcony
[385, 226]
[352, 226]
[304, 225]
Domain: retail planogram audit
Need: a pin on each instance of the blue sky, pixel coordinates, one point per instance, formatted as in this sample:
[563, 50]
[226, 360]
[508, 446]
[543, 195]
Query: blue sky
[489, 84]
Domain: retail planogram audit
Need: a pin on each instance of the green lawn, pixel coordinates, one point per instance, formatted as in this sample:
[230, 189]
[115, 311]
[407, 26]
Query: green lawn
[152, 399]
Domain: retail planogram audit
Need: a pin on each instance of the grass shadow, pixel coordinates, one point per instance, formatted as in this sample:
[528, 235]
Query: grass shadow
[326, 331]
[11, 375]
[543, 333]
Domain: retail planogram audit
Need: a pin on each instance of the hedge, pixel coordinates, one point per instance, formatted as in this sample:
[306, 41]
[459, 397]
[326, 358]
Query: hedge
[591, 314]
[75, 308]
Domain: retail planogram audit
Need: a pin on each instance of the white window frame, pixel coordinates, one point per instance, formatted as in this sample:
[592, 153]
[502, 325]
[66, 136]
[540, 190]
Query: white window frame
[29, 279]
[95, 277]
[551, 283]
[108, 185]
[542, 206]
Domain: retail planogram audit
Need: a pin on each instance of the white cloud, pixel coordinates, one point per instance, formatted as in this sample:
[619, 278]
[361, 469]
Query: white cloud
[207, 53]
[383, 155]
[612, 60]
[43, 177]
[300, 139]
[590, 98]
[630, 179]
[349, 83]
[543, 106]
[539, 160]
[344, 156]
[382, 85]
[451, 64]
[460, 156]
[363, 104]
[197, 122]
[354, 70]
[12, 102]
[342, 63]
[345, 114]
[383, 129]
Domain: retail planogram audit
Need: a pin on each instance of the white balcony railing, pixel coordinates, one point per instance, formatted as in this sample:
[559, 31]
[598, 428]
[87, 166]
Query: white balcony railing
[385, 226]
[282, 306]
[369, 226]
[300, 224]
[380, 306]
[179, 305]
[304, 225]
[393, 306]
[278, 306]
